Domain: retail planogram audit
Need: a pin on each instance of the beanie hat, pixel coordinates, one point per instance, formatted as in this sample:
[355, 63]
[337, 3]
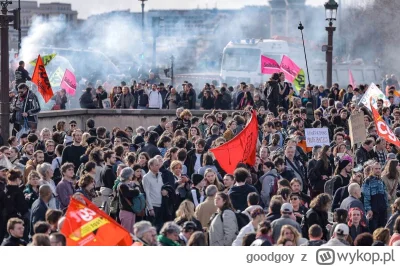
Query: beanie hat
[196, 179]
[342, 164]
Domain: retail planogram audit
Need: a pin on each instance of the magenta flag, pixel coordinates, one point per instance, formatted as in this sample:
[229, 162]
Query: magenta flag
[69, 82]
[351, 79]
[290, 68]
[269, 65]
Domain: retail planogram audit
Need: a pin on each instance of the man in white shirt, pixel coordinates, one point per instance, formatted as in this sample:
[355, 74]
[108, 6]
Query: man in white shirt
[152, 184]
[155, 98]
[257, 216]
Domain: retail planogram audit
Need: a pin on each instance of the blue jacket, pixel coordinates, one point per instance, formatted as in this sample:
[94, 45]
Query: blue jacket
[39, 208]
[375, 196]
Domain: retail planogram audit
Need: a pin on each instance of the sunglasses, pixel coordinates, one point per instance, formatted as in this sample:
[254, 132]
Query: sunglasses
[73, 125]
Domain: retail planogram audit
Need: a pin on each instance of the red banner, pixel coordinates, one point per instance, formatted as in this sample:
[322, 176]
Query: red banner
[269, 65]
[383, 129]
[241, 148]
[41, 79]
[86, 225]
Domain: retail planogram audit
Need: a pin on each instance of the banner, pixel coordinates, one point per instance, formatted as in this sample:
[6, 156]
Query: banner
[56, 77]
[317, 136]
[290, 68]
[383, 129]
[40, 78]
[351, 79]
[46, 59]
[69, 82]
[357, 128]
[86, 225]
[269, 65]
[241, 148]
[300, 81]
[372, 95]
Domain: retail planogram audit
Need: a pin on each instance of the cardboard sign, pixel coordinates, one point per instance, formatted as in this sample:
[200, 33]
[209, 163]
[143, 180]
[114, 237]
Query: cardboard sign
[317, 136]
[106, 104]
[357, 128]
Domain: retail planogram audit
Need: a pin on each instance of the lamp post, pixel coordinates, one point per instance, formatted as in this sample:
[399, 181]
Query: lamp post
[19, 26]
[172, 69]
[301, 28]
[142, 18]
[5, 19]
[330, 12]
[156, 32]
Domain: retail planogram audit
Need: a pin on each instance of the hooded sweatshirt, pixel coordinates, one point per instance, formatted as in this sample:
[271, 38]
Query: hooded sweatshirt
[238, 196]
[267, 182]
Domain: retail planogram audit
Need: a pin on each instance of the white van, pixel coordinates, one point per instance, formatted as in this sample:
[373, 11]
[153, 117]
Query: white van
[241, 60]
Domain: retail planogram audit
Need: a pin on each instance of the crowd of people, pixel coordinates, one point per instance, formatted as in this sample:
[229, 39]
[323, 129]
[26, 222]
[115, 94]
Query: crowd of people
[164, 185]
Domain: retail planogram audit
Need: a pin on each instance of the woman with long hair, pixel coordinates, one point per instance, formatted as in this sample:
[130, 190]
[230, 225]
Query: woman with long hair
[218, 100]
[163, 144]
[170, 155]
[246, 101]
[207, 101]
[318, 214]
[274, 145]
[142, 160]
[96, 156]
[223, 225]
[289, 233]
[194, 132]
[381, 237]
[322, 171]
[230, 132]
[211, 179]
[85, 137]
[396, 230]
[355, 222]
[185, 213]
[391, 177]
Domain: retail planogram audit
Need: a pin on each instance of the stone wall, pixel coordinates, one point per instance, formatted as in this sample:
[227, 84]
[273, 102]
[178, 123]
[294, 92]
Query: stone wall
[109, 118]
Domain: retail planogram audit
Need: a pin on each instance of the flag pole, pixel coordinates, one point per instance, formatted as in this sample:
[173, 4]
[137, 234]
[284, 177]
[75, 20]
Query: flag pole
[301, 28]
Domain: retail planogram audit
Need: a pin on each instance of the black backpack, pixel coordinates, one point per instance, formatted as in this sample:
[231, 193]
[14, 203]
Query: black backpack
[241, 218]
[304, 224]
[57, 173]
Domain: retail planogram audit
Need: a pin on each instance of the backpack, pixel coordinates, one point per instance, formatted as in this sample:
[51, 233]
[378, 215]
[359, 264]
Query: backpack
[329, 186]
[274, 187]
[241, 219]
[139, 204]
[57, 173]
[304, 224]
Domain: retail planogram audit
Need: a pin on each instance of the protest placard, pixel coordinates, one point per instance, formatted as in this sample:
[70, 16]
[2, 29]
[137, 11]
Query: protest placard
[357, 128]
[317, 136]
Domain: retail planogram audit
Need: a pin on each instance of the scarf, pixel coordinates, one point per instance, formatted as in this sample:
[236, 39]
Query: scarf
[166, 241]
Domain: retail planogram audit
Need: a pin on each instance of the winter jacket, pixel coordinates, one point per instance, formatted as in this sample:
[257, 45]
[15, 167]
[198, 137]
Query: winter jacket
[375, 196]
[86, 101]
[207, 103]
[30, 104]
[126, 101]
[21, 75]
[100, 97]
[352, 202]
[314, 216]
[362, 155]
[238, 196]
[205, 211]
[392, 219]
[151, 149]
[223, 233]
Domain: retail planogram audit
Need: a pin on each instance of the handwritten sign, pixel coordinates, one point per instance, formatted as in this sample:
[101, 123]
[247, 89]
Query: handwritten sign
[317, 136]
[357, 128]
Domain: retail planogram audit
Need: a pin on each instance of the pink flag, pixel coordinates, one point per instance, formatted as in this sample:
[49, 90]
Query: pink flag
[269, 65]
[351, 79]
[290, 68]
[69, 82]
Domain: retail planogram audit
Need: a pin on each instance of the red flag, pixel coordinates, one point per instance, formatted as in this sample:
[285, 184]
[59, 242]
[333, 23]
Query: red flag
[41, 79]
[241, 148]
[86, 225]
[383, 129]
[351, 79]
[269, 65]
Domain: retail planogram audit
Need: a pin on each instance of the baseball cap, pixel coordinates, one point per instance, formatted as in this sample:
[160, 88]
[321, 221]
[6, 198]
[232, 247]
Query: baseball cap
[3, 168]
[342, 229]
[189, 225]
[391, 156]
[287, 207]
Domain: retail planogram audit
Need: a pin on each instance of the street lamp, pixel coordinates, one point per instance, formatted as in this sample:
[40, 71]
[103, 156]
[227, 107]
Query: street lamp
[172, 69]
[330, 13]
[142, 18]
[301, 28]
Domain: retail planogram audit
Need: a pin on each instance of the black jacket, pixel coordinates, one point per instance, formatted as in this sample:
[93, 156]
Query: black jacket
[14, 242]
[28, 105]
[218, 102]
[362, 155]
[21, 75]
[191, 161]
[107, 176]
[38, 213]
[317, 217]
[167, 177]
[86, 101]
[159, 130]
[272, 92]
[207, 103]
[151, 150]
[100, 97]
[15, 204]
[126, 194]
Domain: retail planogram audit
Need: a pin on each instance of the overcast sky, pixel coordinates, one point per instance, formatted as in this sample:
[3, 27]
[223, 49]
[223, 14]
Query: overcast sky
[86, 8]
